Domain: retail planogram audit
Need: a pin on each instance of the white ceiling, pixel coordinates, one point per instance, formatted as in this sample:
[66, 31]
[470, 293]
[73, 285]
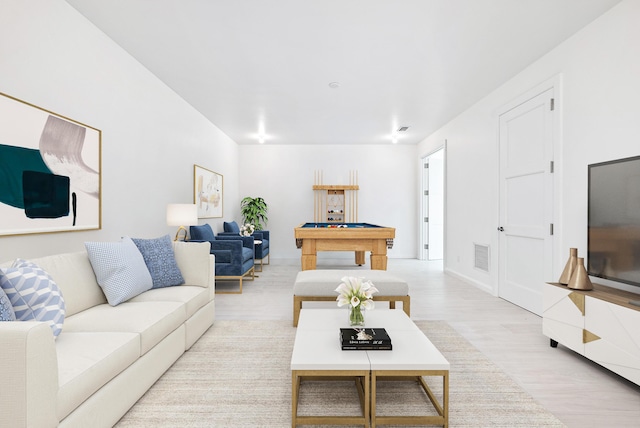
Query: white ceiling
[264, 66]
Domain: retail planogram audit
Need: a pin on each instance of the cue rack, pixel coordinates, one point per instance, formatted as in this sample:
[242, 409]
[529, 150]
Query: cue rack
[335, 203]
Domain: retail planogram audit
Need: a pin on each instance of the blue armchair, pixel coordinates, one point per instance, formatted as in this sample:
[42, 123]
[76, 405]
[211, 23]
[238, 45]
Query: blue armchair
[261, 249]
[234, 254]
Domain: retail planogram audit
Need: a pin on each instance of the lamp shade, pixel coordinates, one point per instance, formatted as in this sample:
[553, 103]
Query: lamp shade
[182, 214]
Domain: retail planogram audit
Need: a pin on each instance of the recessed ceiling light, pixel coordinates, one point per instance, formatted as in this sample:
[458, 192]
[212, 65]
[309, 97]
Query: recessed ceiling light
[403, 128]
[334, 85]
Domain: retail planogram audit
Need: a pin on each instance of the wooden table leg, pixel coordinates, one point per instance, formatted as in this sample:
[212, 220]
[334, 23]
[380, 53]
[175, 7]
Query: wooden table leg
[295, 391]
[308, 261]
[378, 262]
[373, 399]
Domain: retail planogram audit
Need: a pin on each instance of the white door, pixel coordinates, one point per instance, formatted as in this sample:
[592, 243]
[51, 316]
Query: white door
[436, 205]
[433, 206]
[526, 201]
[425, 209]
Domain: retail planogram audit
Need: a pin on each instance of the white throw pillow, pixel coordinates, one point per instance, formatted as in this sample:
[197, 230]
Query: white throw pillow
[120, 269]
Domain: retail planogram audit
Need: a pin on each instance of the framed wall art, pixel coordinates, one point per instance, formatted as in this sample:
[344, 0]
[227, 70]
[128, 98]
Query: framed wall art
[207, 192]
[50, 171]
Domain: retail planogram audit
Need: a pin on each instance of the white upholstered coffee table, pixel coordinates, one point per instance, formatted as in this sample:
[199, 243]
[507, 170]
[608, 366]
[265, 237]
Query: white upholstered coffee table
[317, 355]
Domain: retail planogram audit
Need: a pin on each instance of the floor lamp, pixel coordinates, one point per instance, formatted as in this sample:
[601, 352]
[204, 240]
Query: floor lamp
[182, 215]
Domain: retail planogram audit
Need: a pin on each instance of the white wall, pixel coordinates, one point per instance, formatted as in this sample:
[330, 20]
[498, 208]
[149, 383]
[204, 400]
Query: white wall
[52, 57]
[59, 61]
[600, 115]
[151, 138]
[284, 175]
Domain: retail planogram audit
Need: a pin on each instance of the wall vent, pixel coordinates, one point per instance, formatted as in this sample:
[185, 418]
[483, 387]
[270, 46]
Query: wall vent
[481, 258]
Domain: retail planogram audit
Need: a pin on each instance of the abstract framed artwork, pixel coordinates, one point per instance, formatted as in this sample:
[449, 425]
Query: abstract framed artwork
[208, 187]
[50, 171]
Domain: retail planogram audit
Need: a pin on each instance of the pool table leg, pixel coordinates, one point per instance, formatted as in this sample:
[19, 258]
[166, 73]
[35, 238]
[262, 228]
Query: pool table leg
[309, 254]
[359, 258]
[308, 262]
[378, 262]
[379, 255]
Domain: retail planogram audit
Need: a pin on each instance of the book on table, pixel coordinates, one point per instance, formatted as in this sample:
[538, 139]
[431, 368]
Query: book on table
[365, 339]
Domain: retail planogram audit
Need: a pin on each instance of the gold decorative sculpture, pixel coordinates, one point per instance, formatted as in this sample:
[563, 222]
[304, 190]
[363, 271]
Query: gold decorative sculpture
[580, 278]
[569, 267]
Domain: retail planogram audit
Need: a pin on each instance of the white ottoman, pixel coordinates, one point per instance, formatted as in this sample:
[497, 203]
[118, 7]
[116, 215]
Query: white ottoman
[320, 286]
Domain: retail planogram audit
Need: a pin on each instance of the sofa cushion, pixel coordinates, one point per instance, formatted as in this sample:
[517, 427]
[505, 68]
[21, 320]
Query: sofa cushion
[76, 279]
[33, 294]
[6, 309]
[120, 269]
[195, 262]
[231, 227]
[153, 321]
[325, 282]
[193, 297]
[247, 254]
[89, 360]
[160, 260]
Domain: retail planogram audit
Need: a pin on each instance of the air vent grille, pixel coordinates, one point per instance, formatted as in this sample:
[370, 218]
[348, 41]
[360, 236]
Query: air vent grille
[403, 128]
[481, 258]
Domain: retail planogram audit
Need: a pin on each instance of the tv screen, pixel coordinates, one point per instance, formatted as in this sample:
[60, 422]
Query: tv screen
[614, 220]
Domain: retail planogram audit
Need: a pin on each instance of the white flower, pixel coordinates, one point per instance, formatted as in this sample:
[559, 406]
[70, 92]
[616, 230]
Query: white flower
[247, 229]
[368, 305]
[369, 290]
[355, 291]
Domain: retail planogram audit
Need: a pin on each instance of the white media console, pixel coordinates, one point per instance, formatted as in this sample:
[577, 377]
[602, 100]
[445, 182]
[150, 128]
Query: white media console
[600, 324]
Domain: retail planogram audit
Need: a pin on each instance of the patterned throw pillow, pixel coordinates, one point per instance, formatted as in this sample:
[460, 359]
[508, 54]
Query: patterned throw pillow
[160, 260]
[120, 269]
[34, 295]
[6, 310]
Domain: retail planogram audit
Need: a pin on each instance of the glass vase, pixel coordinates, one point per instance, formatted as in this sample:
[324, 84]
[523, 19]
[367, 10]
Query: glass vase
[356, 316]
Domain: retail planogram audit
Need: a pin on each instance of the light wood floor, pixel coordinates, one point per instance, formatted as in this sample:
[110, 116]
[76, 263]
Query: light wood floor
[577, 391]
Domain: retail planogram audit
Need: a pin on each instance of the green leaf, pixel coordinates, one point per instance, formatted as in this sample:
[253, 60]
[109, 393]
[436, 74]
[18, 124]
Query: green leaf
[254, 211]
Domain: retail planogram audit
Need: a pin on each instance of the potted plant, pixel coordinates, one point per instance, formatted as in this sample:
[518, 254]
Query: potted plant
[254, 211]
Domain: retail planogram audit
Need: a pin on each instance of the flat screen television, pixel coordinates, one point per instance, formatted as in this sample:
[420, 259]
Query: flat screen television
[614, 221]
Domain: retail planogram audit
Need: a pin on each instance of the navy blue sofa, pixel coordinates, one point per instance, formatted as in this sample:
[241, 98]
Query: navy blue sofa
[234, 254]
[261, 249]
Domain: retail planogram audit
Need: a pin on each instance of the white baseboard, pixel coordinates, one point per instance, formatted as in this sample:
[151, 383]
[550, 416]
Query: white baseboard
[478, 284]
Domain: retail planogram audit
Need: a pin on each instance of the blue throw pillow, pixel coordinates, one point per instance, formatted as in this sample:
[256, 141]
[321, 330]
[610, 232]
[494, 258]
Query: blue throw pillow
[33, 294]
[160, 260]
[6, 310]
[231, 226]
[201, 233]
[120, 269]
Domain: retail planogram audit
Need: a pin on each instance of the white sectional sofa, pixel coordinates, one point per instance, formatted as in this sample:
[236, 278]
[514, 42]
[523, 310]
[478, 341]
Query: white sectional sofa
[106, 357]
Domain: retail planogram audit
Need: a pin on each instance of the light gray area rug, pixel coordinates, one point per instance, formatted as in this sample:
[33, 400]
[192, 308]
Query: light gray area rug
[238, 375]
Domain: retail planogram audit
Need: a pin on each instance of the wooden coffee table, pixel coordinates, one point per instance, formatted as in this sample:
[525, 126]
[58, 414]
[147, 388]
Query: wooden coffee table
[317, 356]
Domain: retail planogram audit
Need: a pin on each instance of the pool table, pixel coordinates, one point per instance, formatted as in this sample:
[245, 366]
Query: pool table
[358, 237]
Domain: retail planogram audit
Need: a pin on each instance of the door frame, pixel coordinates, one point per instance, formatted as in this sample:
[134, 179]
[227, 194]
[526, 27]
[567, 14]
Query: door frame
[423, 214]
[555, 84]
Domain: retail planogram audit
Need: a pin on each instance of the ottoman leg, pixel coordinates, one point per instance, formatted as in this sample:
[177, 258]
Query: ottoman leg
[297, 305]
